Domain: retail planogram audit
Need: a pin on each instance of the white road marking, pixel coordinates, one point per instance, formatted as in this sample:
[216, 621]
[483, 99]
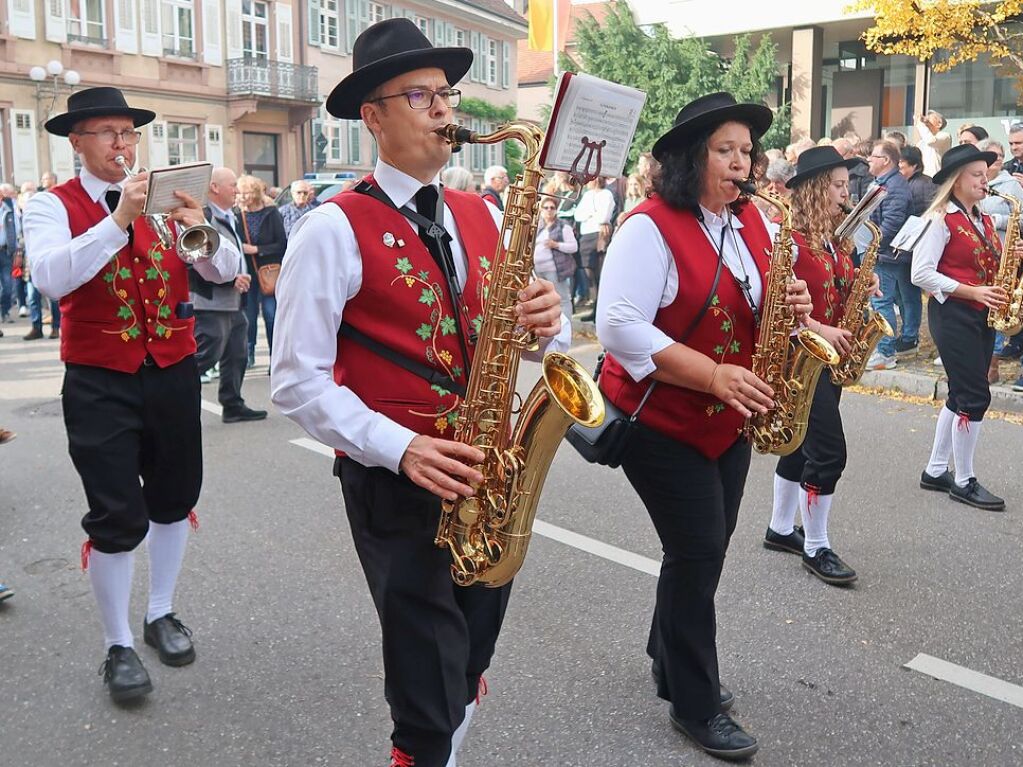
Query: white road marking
[547, 530]
[968, 679]
[211, 407]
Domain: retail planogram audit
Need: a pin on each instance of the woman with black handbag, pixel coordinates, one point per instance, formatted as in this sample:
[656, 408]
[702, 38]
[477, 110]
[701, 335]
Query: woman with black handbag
[686, 456]
[264, 246]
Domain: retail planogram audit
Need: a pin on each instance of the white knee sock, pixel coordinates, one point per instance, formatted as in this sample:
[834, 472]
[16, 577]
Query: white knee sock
[964, 444]
[815, 522]
[786, 500]
[110, 575]
[166, 552]
[942, 448]
[459, 734]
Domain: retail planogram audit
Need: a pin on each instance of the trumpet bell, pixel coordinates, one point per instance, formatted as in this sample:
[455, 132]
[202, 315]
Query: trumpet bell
[197, 243]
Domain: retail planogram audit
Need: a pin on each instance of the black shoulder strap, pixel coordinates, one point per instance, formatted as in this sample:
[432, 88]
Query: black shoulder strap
[682, 339]
[416, 368]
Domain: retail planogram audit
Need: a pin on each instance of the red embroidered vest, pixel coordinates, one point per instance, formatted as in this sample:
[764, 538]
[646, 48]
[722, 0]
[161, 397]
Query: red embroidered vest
[727, 332]
[966, 258]
[827, 278]
[127, 310]
[403, 303]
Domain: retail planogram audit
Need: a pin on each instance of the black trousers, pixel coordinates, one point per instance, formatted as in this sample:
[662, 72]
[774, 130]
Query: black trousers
[136, 442]
[693, 502]
[223, 337]
[966, 345]
[820, 460]
[438, 638]
[591, 258]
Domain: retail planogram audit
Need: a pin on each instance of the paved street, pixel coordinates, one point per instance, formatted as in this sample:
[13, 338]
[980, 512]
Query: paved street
[289, 672]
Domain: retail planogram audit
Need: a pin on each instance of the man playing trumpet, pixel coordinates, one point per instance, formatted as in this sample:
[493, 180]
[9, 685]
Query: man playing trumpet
[131, 389]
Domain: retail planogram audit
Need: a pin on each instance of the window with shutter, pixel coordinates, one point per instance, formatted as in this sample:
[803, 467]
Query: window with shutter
[474, 44]
[282, 13]
[22, 19]
[355, 142]
[313, 23]
[86, 22]
[330, 24]
[212, 44]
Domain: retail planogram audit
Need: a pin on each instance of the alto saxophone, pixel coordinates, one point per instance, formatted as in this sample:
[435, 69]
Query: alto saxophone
[1008, 318]
[488, 533]
[788, 360]
[866, 326]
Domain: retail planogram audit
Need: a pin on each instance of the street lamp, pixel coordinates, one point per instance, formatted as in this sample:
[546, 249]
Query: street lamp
[50, 84]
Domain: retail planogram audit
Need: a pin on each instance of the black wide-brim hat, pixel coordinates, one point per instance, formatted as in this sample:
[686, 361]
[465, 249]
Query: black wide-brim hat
[384, 51]
[819, 159]
[958, 156]
[709, 111]
[96, 102]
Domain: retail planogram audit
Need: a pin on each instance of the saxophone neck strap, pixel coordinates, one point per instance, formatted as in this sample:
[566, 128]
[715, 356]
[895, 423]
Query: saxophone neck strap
[416, 368]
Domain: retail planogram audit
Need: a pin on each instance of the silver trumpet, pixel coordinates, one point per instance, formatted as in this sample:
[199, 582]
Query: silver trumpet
[194, 243]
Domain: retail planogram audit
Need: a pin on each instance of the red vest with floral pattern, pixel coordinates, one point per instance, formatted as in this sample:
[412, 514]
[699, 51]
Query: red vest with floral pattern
[726, 333]
[127, 310]
[966, 258]
[403, 303]
[828, 279]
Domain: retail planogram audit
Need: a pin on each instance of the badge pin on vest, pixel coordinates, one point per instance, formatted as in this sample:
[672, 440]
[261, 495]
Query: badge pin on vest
[390, 241]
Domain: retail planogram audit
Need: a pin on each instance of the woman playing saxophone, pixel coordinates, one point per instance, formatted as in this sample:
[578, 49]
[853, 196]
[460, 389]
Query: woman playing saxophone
[806, 478]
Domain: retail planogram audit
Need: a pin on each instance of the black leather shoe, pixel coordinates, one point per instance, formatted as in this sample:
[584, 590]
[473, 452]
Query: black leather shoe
[943, 484]
[727, 696]
[171, 638]
[124, 675]
[719, 736]
[243, 413]
[792, 543]
[975, 495]
[829, 567]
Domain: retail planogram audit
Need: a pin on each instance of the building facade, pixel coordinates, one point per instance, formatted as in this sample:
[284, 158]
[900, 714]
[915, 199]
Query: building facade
[834, 84]
[235, 82]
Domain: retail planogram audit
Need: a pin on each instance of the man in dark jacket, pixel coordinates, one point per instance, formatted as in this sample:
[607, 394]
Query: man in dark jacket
[495, 180]
[921, 188]
[892, 269]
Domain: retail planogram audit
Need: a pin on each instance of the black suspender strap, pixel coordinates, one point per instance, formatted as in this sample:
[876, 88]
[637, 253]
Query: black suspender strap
[416, 368]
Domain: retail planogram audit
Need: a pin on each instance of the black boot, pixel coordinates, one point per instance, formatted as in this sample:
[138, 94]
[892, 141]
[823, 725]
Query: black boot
[124, 675]
[171, 638]
[974, 494]
[719, 736]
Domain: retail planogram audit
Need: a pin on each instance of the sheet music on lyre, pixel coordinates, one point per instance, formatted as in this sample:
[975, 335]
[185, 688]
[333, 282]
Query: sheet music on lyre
[591, 127]
[192, 178]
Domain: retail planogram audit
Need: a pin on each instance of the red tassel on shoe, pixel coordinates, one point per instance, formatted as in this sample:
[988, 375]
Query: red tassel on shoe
[481, 689]
[86, 551]
[400, 759]
[193, 521]
[964, 422]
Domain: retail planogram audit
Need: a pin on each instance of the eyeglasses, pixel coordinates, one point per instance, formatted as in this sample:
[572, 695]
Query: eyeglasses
[548, 207]
[303, 192]
[128, 137]
[422, 98]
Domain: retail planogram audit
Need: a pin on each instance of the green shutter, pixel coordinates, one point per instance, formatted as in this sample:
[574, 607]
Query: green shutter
[474, 43]
[314, 22]
[506, 64]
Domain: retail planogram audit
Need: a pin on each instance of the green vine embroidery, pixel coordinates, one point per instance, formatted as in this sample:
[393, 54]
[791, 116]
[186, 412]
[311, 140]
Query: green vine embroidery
[118, 273]
[728, 343]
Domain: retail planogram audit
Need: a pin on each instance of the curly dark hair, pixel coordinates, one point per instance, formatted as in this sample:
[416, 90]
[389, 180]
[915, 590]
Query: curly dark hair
[679, 179]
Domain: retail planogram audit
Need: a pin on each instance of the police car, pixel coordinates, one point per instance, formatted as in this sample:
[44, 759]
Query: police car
[325, 186]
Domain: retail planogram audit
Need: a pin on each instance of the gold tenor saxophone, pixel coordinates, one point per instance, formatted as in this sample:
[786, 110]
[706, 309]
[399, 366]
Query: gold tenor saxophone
[1008, 319]
[488, 534]
[866, 326]
[788, 360]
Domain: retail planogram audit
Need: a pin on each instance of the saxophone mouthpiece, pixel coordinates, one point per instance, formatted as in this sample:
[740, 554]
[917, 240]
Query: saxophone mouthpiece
[744, 186]
[455, 134]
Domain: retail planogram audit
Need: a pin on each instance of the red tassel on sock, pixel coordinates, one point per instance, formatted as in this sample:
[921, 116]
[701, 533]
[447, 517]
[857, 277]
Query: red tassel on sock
[481, 689]
[400, 759]
[812, 494]
[193, 521]
[964, 422]
[86, 551]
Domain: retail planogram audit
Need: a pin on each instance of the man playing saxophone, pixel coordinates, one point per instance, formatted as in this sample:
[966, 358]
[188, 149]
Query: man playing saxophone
[806, 478]
[379, 302]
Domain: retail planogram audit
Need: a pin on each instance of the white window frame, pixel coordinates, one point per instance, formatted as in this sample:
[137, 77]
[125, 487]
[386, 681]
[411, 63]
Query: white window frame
[377, 12]
[334, 132]
[330, 10]
[251, 20]
[460, 38]
[171, 38]
[490, 61]
[83, 20]
[424, 24]
[175, 141]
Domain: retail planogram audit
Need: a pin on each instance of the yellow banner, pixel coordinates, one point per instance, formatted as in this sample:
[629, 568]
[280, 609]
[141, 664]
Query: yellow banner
[541, 25]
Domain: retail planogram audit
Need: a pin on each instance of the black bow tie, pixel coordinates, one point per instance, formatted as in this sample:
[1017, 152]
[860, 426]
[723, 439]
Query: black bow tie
[113, 196]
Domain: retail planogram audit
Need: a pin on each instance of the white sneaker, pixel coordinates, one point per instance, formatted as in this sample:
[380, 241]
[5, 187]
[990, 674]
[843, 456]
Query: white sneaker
[23, 311]
[878, 361]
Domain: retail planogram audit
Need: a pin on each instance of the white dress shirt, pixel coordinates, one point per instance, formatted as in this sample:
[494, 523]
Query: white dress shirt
[595, 209]
[639, 277]
[543, 258]
[60, 264]
[927, 253]
[932, 147]
[322, 271]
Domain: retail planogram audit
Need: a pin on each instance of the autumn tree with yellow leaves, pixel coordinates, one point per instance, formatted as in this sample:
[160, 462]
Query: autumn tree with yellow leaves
[961, 30]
